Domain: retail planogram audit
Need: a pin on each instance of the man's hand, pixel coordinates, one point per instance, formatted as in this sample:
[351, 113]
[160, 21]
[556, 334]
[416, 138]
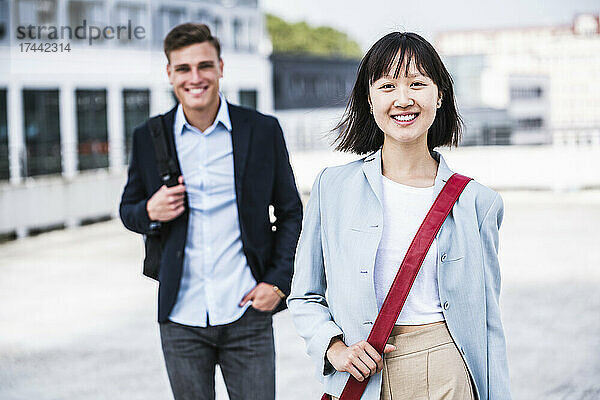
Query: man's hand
[263, 297]
[167, 203]
[361, 360]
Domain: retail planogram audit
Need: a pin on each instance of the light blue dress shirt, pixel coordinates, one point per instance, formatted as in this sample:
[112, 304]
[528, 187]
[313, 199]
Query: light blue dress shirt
[216, 275]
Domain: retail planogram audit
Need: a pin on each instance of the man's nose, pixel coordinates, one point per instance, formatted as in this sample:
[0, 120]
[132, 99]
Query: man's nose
[195, 75]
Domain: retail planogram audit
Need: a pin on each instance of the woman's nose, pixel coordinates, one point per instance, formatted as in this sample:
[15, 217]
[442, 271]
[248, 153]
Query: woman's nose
[403, 99]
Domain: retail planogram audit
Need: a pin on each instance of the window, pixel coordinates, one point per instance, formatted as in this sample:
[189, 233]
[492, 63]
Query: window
[92, 134]
[530, 123]
[125, 14]
[36, 13]
[238, 40]
[203, 17]
[42, 132]
[88, 11]
[217, 28]
[248, 98]
[526, 92]
[4, 164]
[4, 21]
[167, 19]
[136, 109]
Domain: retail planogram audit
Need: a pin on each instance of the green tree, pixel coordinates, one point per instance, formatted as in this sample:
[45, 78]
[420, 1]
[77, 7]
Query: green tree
[300, 38]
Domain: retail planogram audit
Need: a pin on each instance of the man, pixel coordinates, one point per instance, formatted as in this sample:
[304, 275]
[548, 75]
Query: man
[225, 268]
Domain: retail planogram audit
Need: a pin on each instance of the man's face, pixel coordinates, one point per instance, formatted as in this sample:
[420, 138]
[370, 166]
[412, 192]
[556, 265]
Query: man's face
[194, 73]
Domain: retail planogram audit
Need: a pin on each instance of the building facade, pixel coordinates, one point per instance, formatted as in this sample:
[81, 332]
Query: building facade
[310, 94]
[546, 78]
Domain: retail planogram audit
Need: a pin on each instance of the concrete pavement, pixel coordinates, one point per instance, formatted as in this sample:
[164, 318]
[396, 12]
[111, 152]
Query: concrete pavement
[78, 319]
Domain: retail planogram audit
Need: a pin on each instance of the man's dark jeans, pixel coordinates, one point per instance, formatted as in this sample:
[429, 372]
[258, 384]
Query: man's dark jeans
[244, 350]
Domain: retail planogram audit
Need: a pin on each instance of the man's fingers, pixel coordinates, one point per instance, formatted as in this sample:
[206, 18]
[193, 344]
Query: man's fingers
[178, 189]
[249, 296]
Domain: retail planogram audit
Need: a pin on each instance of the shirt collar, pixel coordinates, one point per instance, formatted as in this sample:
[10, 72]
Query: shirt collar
[222, 117]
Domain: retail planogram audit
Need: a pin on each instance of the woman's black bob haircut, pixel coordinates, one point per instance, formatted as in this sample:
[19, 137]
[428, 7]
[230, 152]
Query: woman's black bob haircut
[358, 132]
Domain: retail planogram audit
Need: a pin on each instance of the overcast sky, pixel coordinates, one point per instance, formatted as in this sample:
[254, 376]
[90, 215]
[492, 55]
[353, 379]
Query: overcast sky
[367, 20]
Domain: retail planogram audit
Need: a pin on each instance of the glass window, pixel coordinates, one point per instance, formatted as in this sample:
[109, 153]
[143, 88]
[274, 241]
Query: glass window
[204, 17]
[88, 11]
[4, 165]
[248, 98]
[123, 14]
[92, 134]
[4, 21]
[217, 29]
[136, 109]
[238, 39]
[42, 132]
[35, 12]
[530, 123]
[167, 19]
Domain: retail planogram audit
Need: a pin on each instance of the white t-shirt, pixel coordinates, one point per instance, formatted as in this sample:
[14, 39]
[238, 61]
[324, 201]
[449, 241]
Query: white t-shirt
[404, 208]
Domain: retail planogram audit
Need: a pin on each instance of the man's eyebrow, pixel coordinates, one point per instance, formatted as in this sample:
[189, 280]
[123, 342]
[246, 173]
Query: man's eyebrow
[200, 64]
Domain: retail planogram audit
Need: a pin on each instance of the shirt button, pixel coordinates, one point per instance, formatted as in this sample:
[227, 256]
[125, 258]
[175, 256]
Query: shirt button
[446, 305]
[444, 256]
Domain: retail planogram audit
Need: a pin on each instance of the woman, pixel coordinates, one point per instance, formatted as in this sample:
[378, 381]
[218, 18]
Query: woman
[448, 342]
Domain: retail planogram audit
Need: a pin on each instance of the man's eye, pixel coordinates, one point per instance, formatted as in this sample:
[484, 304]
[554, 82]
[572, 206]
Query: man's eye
[181, 69]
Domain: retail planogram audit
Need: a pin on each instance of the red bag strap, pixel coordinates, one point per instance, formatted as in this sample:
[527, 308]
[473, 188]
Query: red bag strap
[406, 275]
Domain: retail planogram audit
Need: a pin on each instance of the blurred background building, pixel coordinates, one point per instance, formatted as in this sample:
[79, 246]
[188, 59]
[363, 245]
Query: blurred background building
[66, 118]
[545, 79]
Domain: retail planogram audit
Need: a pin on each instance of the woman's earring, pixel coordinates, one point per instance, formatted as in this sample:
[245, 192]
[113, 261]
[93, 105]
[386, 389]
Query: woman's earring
[371, 109]
[439, 103]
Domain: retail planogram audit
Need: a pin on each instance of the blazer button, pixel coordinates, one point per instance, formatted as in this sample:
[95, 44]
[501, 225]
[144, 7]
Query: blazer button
[446, 305]
[444, 256]
[178, 253]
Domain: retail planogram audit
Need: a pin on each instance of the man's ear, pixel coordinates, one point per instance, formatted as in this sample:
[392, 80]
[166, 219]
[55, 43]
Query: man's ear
[221, 67]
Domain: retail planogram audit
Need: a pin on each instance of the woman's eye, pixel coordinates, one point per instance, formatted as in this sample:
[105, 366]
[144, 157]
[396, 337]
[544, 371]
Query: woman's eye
[418, 84]
[387, 86]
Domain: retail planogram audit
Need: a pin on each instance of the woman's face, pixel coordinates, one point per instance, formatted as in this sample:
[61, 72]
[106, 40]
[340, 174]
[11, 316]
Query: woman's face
[404, 107]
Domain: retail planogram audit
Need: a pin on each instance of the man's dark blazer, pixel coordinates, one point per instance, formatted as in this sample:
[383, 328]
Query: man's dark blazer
[263, 177]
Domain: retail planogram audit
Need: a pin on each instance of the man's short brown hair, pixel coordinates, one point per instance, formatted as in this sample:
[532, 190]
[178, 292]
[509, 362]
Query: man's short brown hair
[187, 34]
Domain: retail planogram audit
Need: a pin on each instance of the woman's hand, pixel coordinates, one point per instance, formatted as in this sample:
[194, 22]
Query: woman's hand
[361, 360]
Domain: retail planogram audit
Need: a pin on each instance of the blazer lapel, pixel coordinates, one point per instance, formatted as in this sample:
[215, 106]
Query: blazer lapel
[241, 133]
[445, 235]
[443, 174]
[169, 120]
[372, 170]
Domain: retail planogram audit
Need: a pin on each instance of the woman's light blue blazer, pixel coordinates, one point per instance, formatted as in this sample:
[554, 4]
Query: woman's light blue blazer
[333, 291]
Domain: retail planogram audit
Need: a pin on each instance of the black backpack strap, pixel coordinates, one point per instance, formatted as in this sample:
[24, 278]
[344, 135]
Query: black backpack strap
[167, 167]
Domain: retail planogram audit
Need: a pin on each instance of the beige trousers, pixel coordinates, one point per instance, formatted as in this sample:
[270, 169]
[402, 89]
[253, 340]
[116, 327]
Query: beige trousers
[426, 365]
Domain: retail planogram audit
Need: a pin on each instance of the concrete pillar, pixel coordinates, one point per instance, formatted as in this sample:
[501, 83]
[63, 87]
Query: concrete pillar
[68, 129]
[16, 138]
[116, 136]
[161, 100]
